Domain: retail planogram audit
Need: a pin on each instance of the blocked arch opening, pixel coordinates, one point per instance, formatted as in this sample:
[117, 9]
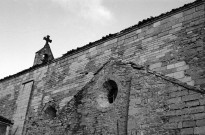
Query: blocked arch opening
[50, 112]
[112, 90]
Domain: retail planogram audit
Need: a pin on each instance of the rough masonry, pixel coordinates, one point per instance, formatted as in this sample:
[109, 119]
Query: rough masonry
[148, 79]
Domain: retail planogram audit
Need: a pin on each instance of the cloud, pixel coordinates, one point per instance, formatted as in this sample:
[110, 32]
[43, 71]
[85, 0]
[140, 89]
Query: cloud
[92, 10]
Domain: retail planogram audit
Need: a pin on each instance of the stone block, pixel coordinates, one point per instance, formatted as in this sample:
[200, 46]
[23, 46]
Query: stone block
[139, 31]
[179, 74]
[128, 40]
[197, 109]
[175, 30]
[178, 15]
[187, 131]
[190, 11]
[188, 17]
[202, 101]
[177, 25]
[120, 42]
[185, 67]
[155, 65]
[179, 125]
[173, 89]
[179, 93]
[93, 53]
[199, 81]
[201, 7]
[156, 24]
[189, 124]
[181, 111]
[174, 100]
[170, 66]
[170, 125]
[180, 64]
[197, 15]
[199, 116]
[186, 79]
[170, 75]
[200, 123]
[191, 97]
[191, 83]
[130, 34]
[147, 40]
[192, 103]
[171, 113]
[199, 130]
[177, 106]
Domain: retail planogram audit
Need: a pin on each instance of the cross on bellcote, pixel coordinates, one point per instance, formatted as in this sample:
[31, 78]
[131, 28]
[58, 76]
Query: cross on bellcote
[48, 40]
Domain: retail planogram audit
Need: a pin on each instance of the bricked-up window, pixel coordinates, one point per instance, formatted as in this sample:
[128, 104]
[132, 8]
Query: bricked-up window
[112, 90]
[50, 112]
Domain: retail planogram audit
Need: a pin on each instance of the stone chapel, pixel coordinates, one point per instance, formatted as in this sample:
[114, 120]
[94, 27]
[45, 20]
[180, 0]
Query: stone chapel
[148, 79]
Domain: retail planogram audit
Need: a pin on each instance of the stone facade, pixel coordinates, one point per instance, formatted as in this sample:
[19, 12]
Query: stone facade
[145, 80]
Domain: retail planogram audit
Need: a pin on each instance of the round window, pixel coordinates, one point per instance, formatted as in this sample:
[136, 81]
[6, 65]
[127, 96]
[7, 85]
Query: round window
[112, 90]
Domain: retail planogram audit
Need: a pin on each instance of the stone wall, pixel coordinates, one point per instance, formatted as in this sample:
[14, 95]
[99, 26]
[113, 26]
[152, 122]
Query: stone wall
[158, 106]
[186, 111]
[3, 129]
[172, 44]
[89, 111]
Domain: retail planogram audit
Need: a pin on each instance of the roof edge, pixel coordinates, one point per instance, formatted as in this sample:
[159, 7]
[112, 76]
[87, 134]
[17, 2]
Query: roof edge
[139, 25]
[106, 38]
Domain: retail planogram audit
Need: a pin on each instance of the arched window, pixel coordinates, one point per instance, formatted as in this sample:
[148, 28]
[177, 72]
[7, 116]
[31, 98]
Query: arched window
[112, 90]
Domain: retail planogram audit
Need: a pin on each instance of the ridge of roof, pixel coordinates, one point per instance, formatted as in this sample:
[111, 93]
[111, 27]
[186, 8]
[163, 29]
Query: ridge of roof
[139, 25]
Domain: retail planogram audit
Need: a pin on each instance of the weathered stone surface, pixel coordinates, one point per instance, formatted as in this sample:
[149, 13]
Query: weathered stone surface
[89, 111]
[147, 102]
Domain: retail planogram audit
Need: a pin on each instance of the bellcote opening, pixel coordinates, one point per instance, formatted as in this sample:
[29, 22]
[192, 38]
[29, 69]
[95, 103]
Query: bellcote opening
[45, 58]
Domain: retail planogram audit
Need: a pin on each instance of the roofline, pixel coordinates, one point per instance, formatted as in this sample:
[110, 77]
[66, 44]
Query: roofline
[140, 25]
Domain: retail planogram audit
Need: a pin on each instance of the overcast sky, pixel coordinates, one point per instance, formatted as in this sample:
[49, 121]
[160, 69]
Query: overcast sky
[70, 23]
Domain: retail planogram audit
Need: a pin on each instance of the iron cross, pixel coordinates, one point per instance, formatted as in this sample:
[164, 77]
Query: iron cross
[47, 38]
